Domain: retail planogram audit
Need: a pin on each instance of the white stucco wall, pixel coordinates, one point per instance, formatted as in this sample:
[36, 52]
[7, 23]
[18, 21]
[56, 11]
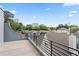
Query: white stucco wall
[73, 43]
[1, 27]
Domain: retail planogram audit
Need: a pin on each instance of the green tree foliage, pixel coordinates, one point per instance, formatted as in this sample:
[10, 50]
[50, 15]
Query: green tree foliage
[43, 27]
[62, 26]
[59, 26]
[24, 27]
[35, 28]
[52, 28]
[15, 25]
[20, 27]
[74, 28]
[29, 27]
[66, 26]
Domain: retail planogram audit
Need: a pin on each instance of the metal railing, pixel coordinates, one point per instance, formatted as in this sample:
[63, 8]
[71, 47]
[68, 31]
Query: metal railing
[52, 48]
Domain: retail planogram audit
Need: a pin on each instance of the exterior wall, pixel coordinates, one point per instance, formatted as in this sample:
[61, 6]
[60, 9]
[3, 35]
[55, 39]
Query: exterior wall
[11, 35]
[1, 27]
[64, 31]
[73, 43]
[62, 38]
[77, 39]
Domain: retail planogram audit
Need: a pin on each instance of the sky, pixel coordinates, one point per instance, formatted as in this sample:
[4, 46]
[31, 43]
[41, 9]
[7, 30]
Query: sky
[50, 14]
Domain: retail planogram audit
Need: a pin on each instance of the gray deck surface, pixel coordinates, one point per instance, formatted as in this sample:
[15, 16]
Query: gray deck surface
[18, 48]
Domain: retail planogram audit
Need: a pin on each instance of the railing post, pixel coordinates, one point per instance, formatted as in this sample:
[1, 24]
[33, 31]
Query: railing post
[36, 39]
[51, 48]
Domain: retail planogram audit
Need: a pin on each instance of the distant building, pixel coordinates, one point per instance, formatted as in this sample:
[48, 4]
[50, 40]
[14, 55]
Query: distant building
[35, 24]
[63, 30]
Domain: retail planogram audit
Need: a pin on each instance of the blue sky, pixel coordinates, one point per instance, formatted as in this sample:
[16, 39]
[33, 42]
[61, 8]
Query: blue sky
[50, 14]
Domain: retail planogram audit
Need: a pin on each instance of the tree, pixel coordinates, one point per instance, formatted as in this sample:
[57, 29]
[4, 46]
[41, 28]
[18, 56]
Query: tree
[43, 27]
[36, 27]
[74, 28]
[51, 28]
[15, 25]
[20, 26]
[60, 26]
[29, 27]
[24, 27]
[66, 26]
[8, 16]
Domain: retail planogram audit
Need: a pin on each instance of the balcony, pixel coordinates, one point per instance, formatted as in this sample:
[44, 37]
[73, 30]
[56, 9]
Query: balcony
[18, 48]
[37, 45]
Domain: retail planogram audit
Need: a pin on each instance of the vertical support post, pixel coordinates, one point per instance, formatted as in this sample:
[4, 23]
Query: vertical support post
[51, 48]
[35, 38]
[26, 36]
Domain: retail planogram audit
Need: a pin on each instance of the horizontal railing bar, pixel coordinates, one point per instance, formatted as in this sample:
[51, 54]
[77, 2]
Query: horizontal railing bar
[46, 45]
[65, 46]
[46, 48]
[47, 41]
[60, 51]
[46, 52]
[56, 52]
[65, 50]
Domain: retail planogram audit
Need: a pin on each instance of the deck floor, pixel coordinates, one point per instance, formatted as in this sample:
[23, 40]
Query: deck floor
[18, 48]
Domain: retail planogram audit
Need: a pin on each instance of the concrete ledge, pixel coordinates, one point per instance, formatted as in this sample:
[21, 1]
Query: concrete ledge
[39, 50]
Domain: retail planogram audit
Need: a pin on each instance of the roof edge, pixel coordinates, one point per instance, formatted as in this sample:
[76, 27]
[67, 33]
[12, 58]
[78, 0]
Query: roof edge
[1, 9]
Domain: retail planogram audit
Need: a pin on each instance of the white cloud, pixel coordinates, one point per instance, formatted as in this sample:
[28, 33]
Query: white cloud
[72, 13]
[70, 4]
[47, 9]
[13, 11]
[34, 17]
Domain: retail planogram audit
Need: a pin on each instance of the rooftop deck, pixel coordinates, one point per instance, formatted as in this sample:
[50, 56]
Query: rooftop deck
[18, 48]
